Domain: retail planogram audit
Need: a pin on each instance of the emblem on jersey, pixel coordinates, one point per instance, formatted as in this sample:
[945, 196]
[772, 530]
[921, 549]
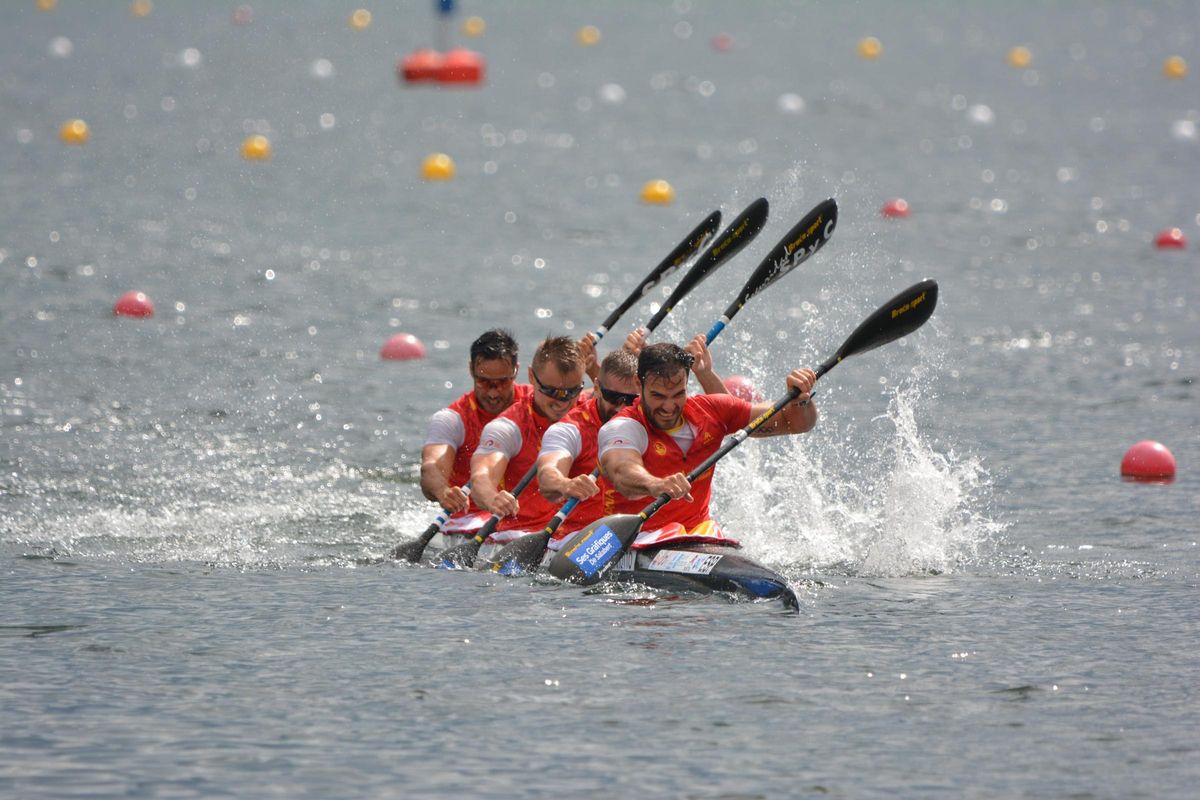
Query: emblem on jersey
[660, 448]
[707, 437]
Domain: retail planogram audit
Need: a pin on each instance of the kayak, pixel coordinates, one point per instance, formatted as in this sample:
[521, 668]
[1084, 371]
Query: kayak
[681, 567]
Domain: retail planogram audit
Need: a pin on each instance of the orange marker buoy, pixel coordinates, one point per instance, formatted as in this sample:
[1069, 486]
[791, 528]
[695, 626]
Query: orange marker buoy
[588, 35]
[74, 131]
[1175, 68]
[402, 347]
[437, 167]
[1170, 239]
[461, 66]
[870, 48]
[743, 387]
[360, 20]
[133, 304]
[658, 192]
[423, 65]
[474, 26]
[141, 8]
[256, 148]
[1020, 57]
[895, 209]
[1148, 461]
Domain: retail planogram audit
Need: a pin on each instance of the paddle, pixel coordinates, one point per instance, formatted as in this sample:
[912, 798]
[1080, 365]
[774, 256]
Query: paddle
[412, 551]
[731, 241]
[805, 238]
[588, 555]
[462, 556]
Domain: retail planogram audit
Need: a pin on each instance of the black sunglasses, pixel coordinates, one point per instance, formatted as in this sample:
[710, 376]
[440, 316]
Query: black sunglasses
[617, 398]
[555, 393]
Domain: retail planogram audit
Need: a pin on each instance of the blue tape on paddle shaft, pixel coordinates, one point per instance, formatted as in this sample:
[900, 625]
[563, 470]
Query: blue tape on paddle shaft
[598, 551]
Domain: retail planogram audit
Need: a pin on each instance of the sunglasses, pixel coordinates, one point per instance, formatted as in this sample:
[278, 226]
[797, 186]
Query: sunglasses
[617, 398]
[555, 393]
[494, 384]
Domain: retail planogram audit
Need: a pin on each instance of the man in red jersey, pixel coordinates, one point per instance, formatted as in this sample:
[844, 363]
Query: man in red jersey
[648, 449]
[509, 444]
[569, 448]
[453, 432]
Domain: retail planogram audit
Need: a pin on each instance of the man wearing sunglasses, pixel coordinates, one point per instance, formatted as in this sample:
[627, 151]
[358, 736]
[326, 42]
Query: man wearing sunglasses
[509, 444]
[648, 449]
[454, 431]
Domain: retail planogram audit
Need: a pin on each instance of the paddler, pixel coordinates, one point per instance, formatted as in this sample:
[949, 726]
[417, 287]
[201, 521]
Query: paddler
[453, 432]
[509, 444]
[569, 447]
[648, 448]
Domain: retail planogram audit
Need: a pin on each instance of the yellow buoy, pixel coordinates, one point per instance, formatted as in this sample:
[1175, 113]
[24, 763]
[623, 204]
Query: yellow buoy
[46, 5]
[437, 167]
[74, 131]
[1020, 57]
[1175, 67]
[256, 148]
[658, 192]
[870, 48]
[141, 8]
[360, 20]
[474, 26]
[588, 35]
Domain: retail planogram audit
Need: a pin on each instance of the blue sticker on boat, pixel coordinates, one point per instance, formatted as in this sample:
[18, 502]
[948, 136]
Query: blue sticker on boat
[596, 554]
[511, 569]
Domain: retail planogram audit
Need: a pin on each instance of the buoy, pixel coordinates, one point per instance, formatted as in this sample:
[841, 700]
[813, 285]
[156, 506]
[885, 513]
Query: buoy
[895, 209]
[1148, 461]
[1020, 57]
[423, 65]
[74, 131]
[46, 5]
[473, 27]
[1170, 239]
[658, 192]
[1175, 68]
[133, 304]
[402, 347]
[256, 148]
[437, 167]
[722, 42]
[461, 66]
[588, 35]
[360, 20]
[870, 48]
[743, 387]
[243, 15]
[141, 8]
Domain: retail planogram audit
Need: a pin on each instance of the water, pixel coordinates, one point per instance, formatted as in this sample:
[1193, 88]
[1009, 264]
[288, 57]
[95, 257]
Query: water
[195, 507]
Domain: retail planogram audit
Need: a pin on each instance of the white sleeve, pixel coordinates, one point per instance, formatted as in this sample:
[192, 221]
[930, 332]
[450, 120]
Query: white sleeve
[562, 438]
[446, 427]
[500, 436]
[623, 433]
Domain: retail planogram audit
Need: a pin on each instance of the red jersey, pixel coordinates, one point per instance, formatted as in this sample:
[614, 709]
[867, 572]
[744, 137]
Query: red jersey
[473, 419]
[586, 419]
[535, 510]
[713, 416]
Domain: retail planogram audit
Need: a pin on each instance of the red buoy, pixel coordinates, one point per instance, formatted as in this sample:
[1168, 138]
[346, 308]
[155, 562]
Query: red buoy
[895, 209]
[423, 65]
[402, 347]
[1148, 461]
[743, 387]
[133, 304]
[462, 66]
[722, 42]
[1170, 239]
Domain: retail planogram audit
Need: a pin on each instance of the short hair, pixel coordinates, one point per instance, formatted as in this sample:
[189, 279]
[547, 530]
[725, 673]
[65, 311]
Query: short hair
[561, 351]
[494, 344]
[620, 364]
[663, 360]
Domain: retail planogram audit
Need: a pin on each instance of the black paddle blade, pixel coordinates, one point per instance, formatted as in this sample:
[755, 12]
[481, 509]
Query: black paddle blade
[521, 556]
[898, 317]
[412, 551]
[805, 238]
[587, 556]
[461, 556]
[729, 243]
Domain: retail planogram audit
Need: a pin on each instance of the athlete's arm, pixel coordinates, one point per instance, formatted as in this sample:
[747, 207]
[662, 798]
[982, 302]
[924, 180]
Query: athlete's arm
[437, 461]
[625, 469]
[798, 416]
[555, 486]
[487, 471]
[702, 366]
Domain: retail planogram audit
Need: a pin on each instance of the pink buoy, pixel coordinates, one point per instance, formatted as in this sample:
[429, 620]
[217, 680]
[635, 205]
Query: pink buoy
[462, 66]
[423, 65]
[1148, 461]
[895, 209]
[402, 347]
[1170, 239]
[133, 304]
[743, 387]
[722, 42]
